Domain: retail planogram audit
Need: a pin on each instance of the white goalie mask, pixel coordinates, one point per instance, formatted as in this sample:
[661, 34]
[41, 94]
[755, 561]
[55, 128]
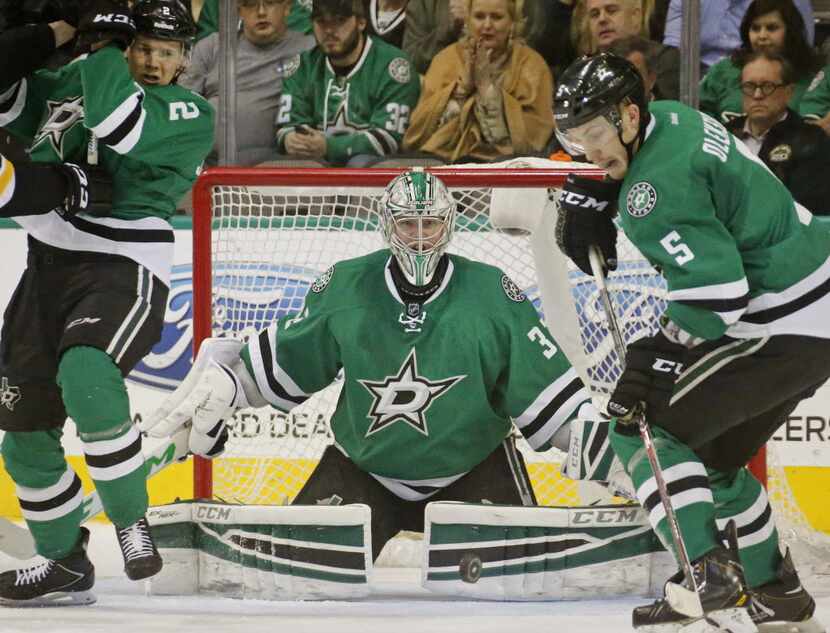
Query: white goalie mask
[417, 216]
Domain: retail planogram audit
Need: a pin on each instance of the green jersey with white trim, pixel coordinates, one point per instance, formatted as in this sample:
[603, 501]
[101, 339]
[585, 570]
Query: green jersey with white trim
[740, 257]
[363, 112]
[816, 101]
[151, 139]
[428, 390]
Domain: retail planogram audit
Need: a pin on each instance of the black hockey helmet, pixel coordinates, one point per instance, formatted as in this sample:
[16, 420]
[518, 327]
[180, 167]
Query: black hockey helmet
[595, 86]
[165, 20]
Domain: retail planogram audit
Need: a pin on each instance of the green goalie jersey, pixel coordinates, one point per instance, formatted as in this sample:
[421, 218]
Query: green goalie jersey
[364, 112]
[151, 139]
[740, 257]
[427, 394]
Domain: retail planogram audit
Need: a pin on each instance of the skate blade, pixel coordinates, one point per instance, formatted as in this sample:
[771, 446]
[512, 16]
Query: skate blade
[810, 625]
[723, 621]
[55, 599]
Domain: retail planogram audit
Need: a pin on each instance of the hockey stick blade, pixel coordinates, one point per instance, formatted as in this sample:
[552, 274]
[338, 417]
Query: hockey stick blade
[17, 542]
[683, 600]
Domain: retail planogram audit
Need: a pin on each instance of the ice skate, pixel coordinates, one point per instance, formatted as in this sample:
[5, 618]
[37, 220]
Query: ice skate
[62, 582]
[783, 605]
[141, 558]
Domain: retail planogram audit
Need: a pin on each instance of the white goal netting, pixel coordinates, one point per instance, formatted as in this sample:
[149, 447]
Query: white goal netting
[275, 231]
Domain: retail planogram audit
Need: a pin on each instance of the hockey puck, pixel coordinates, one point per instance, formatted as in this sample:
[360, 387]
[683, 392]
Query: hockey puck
[470, 567]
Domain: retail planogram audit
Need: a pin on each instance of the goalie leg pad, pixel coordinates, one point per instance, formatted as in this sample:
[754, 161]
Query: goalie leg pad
[263, 552]
[542, 553]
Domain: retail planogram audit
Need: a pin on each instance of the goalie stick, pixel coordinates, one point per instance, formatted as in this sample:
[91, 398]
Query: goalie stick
[682, 599]
[16, 541]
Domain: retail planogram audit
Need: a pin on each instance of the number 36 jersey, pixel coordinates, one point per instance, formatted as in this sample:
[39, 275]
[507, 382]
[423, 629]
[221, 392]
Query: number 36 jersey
[429, 390]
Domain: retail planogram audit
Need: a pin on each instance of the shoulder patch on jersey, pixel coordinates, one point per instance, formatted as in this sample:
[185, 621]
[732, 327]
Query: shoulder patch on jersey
[641, 199]
[513, 292]
[290, 66]
[399, 70]
[323, 280]
[816, 81]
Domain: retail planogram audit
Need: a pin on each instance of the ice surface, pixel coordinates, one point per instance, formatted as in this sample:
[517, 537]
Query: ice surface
[398, 606]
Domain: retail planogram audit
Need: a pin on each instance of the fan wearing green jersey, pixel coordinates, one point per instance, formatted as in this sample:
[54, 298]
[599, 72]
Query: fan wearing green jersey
[442, 357]
[349, 100]
[744, 338]
[91, 302]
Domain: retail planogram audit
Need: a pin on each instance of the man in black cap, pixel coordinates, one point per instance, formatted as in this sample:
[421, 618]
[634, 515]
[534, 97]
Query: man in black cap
[349, 99]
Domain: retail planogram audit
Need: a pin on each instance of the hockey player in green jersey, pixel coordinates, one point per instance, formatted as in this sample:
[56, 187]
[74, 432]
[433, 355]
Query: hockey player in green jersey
[91, 302]
[348, 101]
[439, 354]
[745, 336]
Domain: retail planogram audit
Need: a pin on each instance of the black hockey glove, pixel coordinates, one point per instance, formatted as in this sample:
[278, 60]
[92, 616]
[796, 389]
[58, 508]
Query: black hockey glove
[104, 20]
[88, 189]
[587, 208]
[652, 365]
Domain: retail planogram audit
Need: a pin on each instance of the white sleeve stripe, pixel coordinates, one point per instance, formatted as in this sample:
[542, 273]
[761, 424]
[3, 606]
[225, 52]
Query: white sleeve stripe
[544, 398]
[291, 387]
[11, 113]
[562, 415]
[729, 290]
[375, 143]
[131, 139]
[119, 115]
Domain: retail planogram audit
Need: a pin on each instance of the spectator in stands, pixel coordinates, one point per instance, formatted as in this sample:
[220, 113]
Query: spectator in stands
[815, 105]
[432, 25]
[606, 21]
[266, 51]
[387, 20]
[720, 22]
[798, 153]
[348, 101]
[772, 26]
[298, 20]
[488, 96]
[643, 53]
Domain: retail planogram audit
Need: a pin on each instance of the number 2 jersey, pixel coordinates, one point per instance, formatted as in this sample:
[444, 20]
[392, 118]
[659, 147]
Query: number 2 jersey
[739, 255]
[428, 392]
[152, 140]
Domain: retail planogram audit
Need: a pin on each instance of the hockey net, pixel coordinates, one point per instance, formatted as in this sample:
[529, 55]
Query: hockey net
[263, 235]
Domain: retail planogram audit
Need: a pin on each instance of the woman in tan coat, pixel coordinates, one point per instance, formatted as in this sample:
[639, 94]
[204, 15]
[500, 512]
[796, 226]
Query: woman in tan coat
[486, 97]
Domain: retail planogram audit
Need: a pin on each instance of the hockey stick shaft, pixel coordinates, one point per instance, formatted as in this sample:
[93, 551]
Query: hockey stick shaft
[692, 603]
[17, 541]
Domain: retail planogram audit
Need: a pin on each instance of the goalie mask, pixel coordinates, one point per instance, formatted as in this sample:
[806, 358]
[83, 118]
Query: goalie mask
[417, 218]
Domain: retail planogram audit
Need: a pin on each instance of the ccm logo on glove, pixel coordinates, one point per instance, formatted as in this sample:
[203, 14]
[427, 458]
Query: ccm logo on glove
[667, 366]
[583, 202]
[112, 17]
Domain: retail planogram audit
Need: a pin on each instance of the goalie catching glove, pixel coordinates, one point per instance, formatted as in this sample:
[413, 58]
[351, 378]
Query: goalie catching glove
[586, 211]
[217, 385]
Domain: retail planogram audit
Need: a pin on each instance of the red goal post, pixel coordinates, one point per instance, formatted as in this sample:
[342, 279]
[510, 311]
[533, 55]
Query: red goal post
[251, 201]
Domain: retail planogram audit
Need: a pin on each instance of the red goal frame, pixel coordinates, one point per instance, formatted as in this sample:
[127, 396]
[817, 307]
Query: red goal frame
[308, 177]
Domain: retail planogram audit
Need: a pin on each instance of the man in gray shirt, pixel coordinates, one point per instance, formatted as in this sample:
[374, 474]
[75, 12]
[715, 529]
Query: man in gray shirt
[267, 50]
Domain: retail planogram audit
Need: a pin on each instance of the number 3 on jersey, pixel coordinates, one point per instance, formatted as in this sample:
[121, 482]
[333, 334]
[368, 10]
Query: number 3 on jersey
[536, 334]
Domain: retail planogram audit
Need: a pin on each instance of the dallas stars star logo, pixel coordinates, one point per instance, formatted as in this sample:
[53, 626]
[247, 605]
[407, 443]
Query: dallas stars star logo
[61, 117]
[405, 397]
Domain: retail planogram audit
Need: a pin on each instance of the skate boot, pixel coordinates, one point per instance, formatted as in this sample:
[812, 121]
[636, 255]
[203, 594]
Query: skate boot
[141, 558]
[720, 581]
[783, 605]
[63, 582]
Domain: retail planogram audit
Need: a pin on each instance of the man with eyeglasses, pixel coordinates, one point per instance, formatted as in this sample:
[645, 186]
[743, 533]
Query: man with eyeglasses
[267, 51]
[797, 152]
